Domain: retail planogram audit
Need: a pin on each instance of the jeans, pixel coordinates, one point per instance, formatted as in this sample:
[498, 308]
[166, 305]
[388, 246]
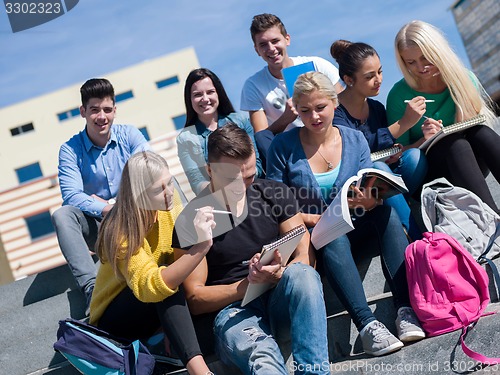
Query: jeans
[399, 203]
[380, 227]
[77, 234]
[293, 311]
[412, 167]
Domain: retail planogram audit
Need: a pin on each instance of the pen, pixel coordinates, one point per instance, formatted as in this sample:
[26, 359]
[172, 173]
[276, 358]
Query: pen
[426, 100]
[216, 211]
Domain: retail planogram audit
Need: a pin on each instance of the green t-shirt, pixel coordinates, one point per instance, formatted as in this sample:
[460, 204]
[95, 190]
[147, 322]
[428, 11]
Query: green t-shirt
[443, 108]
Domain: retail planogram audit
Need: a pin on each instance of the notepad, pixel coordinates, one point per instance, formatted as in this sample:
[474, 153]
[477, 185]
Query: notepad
[385, 154]
[453, 128]
[291, 74]
[286, 245]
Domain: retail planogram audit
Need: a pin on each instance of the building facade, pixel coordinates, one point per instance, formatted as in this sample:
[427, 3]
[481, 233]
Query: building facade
[149, 95]
[478, 22]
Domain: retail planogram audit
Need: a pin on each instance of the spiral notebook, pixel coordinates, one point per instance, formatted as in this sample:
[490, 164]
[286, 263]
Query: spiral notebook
[384, 154]
[453, 128]
[286, 245]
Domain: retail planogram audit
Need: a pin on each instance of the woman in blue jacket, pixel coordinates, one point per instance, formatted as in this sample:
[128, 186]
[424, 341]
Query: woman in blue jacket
[207, 108]
[315, 161]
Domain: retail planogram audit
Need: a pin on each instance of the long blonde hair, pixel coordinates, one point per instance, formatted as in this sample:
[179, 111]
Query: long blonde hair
[124, 228]
[469, 96]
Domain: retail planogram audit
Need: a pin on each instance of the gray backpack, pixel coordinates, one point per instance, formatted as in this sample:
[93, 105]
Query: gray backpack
[463, 215]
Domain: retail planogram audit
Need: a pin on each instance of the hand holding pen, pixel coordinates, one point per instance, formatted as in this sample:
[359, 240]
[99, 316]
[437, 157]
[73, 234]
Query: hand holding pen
[204, 223]
[415, 109]
[431, 127]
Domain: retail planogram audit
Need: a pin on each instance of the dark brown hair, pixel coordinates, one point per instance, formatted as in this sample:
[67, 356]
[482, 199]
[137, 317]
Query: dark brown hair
[265, 21]
[230, 141]
[350, 56]
[99, 88]
[225, 106]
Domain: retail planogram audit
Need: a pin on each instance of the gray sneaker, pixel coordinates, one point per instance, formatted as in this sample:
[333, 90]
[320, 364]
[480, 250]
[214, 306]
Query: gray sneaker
[377, 340]
[409, 328]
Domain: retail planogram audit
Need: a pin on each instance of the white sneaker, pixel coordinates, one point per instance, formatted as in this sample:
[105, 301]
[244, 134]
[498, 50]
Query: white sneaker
[377, 340]
[409, 328]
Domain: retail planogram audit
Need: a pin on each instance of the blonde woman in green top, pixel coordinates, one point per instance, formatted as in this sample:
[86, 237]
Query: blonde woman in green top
[436, 79]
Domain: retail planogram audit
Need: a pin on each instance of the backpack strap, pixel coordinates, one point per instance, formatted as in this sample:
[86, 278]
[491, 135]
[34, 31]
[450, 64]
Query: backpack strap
[475, 355]
[491, 242]
[483, 257]
[133, 357]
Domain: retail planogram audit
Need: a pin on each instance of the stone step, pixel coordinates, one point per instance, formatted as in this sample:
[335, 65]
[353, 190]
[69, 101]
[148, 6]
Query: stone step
[31, 308]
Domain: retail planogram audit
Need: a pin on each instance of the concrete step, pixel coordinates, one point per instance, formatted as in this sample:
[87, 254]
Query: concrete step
[31, 308]
[430, 356]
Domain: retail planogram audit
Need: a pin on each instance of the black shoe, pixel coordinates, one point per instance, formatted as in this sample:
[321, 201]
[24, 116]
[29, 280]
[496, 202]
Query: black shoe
[156, 346]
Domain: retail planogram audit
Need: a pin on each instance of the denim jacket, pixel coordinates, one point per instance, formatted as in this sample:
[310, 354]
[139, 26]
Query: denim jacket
[192, 148]
[287, 162]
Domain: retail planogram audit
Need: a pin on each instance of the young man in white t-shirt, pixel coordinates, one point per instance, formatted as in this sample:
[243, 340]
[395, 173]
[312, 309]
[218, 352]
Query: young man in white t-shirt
[264, 94]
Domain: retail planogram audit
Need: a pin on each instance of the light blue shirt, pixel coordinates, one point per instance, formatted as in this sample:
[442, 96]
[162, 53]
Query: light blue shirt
[287, 163]
[326, 180]
[86, 169]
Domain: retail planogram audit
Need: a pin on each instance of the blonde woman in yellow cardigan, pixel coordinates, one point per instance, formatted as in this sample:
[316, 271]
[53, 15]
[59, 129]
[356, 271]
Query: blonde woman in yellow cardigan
[137, 286]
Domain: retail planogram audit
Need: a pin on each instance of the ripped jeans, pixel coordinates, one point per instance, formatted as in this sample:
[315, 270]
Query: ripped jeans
[293, 312]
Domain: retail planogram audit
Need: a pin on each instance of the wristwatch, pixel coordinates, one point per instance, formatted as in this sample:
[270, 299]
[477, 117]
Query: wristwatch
[112, 201]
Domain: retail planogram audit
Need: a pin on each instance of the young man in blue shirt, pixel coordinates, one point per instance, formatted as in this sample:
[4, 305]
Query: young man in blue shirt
[90, 167]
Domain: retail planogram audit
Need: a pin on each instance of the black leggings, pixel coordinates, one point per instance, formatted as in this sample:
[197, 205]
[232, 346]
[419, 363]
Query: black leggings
[130, 318]
[463, 157]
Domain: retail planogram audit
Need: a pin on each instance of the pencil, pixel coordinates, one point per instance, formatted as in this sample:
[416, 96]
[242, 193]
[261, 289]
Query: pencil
[426, 100]
[216, 211]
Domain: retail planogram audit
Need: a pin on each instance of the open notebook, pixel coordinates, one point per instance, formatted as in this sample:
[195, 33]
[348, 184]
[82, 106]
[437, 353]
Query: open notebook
[286, 245]
[336, 219]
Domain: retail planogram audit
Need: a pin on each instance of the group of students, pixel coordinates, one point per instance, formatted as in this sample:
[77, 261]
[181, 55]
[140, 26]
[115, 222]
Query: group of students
[183, 270]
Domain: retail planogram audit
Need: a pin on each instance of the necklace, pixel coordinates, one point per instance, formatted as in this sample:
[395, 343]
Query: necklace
[329, 164]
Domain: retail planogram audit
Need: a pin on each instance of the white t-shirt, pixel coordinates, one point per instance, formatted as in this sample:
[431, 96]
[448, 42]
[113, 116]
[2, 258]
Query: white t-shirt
[263, 91]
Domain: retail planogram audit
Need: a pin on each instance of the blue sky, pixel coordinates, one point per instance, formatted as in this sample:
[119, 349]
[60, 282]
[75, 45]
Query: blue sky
[100, 36]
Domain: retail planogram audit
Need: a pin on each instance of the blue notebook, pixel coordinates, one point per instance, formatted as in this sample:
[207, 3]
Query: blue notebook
[291, 74]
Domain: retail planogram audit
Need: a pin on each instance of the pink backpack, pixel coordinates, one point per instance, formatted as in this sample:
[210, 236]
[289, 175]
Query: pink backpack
[448, 288]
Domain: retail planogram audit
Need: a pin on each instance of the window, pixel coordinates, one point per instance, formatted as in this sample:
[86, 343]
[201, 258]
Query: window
[75, 112]
[124, 96]
[144, 131]
[39, 225]
[179, 121]
[29, 172]
[167, 82]
[22, 129]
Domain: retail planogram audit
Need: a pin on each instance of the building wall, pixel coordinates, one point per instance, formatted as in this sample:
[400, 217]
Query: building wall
[21, 252]
[152, 98]
[478, 22]
[150, 107]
